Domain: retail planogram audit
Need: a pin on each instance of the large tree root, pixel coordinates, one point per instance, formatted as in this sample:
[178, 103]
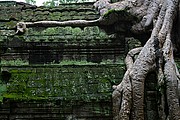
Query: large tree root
[128, 97]
[158, 50]
[122, 95]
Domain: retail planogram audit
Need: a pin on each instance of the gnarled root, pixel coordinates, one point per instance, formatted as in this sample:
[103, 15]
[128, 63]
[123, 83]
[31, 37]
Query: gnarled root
[122, 95]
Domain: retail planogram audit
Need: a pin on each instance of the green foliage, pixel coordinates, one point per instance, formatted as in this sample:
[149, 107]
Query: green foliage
[53, 3]
[33, 2]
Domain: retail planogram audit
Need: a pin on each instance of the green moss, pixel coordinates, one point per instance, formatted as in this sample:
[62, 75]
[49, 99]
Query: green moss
[10, 24]
[65, 18]
[19, 62]
[16, 96]
[89, 82]
[109, 12]
[3, 90]
[65, 34]
[16, 62]
[120, 14]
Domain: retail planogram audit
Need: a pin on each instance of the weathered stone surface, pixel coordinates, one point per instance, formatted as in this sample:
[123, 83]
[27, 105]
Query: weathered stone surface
[58, 92]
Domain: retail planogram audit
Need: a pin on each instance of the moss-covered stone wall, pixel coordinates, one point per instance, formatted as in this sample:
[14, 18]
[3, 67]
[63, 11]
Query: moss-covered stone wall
[78, 85]
[66, 43]
[68, 82]
[14, 12]
[81, 91]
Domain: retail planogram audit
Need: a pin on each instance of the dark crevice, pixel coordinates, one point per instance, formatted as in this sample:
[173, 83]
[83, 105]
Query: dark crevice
[151, 97]
[166, 110]
[121, 100]
[5, 75]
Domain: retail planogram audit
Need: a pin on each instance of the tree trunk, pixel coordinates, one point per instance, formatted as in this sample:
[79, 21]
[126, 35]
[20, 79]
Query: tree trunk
[157, 17]
[156, 55]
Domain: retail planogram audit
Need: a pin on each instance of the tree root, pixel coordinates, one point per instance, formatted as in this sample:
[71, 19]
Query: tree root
[158, 51]
[122, 95]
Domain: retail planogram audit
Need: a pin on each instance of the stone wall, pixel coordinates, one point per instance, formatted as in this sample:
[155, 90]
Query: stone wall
[82, 64]
[61, 43]
[59, 92]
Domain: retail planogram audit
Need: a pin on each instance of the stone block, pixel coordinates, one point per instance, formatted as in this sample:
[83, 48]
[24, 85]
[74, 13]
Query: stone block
[7, 32]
